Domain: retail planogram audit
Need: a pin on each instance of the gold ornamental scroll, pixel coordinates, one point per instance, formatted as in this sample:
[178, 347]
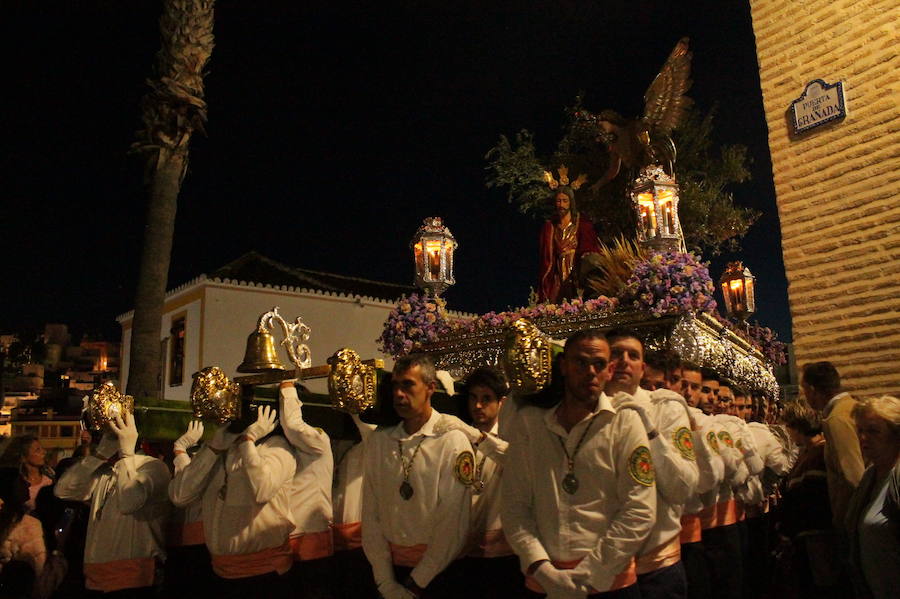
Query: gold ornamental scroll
[351, 383]
[105, 403]
[214, 397]
[527, 357]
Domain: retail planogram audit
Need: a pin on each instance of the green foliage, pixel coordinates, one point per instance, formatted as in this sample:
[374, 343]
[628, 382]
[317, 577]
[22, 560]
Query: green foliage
[710, 219]
[518, 168]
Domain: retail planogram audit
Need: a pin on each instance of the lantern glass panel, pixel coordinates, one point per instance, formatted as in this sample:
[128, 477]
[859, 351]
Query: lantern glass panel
[667, 212]
[751, 294]
[433, 249]
[648, 214]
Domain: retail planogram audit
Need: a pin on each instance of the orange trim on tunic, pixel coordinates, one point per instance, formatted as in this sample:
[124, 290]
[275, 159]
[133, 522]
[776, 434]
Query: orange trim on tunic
[189, 533]
[347, 536]
[708, 516]
[661, 556]
[740, 510]
[120, 574]
[691, 529]
[492, 544]
[312, 545]
[726, 513]
[407, 555]
[625, 578]
[275, 559]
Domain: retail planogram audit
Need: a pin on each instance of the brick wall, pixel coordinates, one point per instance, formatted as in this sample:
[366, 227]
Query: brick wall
[838, 186]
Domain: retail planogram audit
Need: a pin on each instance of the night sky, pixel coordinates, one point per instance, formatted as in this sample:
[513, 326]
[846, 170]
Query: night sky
[333, 131]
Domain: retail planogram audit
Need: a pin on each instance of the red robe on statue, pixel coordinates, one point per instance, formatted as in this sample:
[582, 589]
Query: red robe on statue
[560, 254]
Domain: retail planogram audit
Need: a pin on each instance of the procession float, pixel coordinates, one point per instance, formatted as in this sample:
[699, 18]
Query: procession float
[616, 173]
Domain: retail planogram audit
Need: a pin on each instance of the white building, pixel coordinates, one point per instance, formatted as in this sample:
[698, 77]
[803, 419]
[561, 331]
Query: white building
[206, 321]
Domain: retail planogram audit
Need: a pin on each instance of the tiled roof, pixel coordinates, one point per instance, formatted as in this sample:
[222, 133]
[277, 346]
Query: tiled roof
[255, 267]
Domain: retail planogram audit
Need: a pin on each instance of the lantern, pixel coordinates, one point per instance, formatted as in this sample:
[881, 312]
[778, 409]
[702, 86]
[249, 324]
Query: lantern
[433, 247]
[655, 197]
[739, 290]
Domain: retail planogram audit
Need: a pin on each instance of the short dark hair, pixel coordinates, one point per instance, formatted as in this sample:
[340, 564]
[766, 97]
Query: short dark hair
[614, 335]
[822, 376]
[738, 390]
[584, 335]
[692, 366]
[425, 364]
[490, 377]
[664, 360]
[708, 374]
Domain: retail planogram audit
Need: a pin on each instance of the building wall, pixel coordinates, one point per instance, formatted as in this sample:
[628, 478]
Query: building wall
[836, 185]
[187, 302]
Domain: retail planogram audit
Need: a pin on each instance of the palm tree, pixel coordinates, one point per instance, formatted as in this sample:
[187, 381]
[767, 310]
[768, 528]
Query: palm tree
[171, 111]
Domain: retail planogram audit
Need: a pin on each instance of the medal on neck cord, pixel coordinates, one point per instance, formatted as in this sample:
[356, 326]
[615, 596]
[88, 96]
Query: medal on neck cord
[570, 481]
[406, 490]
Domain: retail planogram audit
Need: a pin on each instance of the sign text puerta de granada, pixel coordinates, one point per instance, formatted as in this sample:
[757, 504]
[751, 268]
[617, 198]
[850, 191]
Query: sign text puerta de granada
[820, 103]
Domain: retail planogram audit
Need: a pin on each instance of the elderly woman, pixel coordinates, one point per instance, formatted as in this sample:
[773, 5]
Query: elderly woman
[873, 517]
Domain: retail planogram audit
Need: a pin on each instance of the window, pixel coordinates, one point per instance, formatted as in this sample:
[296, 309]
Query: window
[66, 431]
[176, 352]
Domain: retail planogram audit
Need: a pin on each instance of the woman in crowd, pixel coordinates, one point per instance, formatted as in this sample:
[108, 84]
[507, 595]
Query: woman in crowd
[22, 549]
[804, 517]
[27, 454]
[873, 517]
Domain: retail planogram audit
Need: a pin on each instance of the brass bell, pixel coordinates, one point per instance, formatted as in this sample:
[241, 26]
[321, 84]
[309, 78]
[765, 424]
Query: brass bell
[261, 355]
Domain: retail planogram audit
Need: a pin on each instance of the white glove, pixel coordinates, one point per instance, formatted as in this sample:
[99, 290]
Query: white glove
[558, 584]
[667, 395]
[222, 439]
[125, 429]
[394, 590]
[108, 446]
[631, 404]
[266, 419]
[191, 437]
[448, 422]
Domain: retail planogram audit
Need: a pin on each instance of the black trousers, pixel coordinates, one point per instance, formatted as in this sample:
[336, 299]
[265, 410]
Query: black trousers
[270, 586]
[352, 575]
[723, 547]
[442, 586]
[188, 572]
[489, 578]
[758, 565]
[631, 592]
[665, 583]
[697, 570]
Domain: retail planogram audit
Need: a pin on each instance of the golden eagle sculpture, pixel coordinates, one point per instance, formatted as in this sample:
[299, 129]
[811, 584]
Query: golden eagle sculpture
[639, 142]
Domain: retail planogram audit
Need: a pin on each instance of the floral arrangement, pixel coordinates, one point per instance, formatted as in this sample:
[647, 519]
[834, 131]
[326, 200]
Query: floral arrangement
[573, 307]
[416, 320]
[765, 338]
[669, 283]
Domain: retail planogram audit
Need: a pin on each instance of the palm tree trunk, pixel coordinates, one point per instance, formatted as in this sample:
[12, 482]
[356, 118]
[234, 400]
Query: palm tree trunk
[172, 110]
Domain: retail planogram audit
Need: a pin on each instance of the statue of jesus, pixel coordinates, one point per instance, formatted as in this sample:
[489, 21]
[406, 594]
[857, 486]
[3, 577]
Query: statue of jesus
[564, 240]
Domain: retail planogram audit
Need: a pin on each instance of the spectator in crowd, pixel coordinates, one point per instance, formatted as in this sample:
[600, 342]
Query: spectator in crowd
[804, 517]
[28, 455]
[821, 385]
[873, 515]
[22, 549]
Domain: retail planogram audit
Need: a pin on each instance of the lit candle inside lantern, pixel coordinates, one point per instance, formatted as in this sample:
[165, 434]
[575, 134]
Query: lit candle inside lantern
[433, 249]
[648, 217]
[737, 290]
